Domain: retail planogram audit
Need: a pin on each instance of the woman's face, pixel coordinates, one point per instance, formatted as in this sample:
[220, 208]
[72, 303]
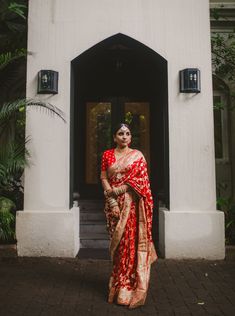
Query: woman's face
[123, 137]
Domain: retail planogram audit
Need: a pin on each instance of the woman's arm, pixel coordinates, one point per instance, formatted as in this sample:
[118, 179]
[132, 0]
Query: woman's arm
[108, 190]
[112, 203]
[105, 184]
[118, 190]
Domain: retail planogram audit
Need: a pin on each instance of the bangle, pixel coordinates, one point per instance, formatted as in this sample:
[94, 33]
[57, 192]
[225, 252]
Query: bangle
[112, 202]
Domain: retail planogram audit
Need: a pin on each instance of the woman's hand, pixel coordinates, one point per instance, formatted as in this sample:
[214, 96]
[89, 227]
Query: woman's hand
[116, 212]
[120, 190]
[115, 192]
[108, 193]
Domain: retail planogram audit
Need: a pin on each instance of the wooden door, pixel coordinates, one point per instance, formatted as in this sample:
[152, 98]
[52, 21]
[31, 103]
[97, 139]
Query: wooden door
[100, 119]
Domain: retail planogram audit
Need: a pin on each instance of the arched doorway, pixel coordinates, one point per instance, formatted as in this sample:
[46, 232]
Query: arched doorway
[118, 79]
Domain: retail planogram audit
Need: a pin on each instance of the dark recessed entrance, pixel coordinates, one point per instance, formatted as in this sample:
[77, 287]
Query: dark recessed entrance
[116, 80]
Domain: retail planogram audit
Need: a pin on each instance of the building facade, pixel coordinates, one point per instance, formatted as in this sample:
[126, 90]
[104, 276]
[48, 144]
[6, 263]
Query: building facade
[120, 60]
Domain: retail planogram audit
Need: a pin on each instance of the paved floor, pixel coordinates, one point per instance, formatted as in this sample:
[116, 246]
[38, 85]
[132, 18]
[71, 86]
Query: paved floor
[47, 286]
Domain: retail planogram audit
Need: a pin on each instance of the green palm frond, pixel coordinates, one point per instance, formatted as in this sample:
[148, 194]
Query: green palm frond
[3, 172]
[9, 109]
[48, 107]
[14, 155]
[18, 9]
[9, 57]
[13, 159]
[8, 113]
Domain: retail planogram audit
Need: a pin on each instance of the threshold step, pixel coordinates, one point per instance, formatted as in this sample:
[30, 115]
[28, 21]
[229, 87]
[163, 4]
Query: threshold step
[94, 253]
[92, 227]
[92, 235]
[94, 209]
[94, 243]
[92, 216]
[90, 205]
[89, 243]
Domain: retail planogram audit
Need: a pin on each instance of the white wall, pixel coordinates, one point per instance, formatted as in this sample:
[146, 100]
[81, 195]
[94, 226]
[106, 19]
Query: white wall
[179, 31]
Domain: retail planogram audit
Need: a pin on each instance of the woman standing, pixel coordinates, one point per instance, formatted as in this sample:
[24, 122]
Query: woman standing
[128, 209]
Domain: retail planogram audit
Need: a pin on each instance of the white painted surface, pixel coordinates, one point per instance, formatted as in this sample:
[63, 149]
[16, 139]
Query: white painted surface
[179, 31]
[192, 234]
[48, 233]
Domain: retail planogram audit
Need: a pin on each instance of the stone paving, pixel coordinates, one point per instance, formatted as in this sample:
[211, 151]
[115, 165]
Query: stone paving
[55, 286]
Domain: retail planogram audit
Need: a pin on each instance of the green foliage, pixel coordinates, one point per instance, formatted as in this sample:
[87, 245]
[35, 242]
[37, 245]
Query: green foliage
[223, 58]
[13, 159]
[13, 24]
[9, 57]
[128, 118]
[7, 220]
[228, 207]
[215, 14]
[10, 109]
[14, 155]
[223, 51]
[18, 9]
[218, 106]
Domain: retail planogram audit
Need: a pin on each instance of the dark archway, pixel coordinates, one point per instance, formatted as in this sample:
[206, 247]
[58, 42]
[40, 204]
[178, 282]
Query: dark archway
[116, 72]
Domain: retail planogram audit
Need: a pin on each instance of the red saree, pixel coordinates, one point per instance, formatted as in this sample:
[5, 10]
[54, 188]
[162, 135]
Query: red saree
[131, 246]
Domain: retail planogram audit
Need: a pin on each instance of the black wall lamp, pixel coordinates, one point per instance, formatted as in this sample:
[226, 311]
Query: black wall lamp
[190, 81]
[48, 82]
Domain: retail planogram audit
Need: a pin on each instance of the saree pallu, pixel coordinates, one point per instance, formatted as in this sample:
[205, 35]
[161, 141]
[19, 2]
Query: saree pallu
[131, 245]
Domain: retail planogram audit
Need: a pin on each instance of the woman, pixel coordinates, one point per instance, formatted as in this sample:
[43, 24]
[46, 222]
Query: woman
[128, 209]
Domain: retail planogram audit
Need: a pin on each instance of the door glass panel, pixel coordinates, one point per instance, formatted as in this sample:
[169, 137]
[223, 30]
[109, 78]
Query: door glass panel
[98, 137]
[137, 116]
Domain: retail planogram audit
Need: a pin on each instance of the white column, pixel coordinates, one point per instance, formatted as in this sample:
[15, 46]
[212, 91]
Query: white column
[47, 226]
[192, 228]
[191, 234]
[48, 233]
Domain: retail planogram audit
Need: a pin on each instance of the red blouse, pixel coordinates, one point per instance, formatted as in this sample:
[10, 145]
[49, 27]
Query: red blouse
[108, 159]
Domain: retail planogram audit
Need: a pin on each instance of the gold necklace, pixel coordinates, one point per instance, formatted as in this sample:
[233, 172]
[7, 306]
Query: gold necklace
[122, 155]
[118, 167]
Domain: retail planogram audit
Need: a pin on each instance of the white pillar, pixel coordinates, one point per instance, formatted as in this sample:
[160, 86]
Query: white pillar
[48, 233]
[191, 234]
[192, 228]
[47, 226]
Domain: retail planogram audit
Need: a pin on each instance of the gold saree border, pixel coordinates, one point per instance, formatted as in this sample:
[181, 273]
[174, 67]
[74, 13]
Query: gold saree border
[146, 255]
[119, 230]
